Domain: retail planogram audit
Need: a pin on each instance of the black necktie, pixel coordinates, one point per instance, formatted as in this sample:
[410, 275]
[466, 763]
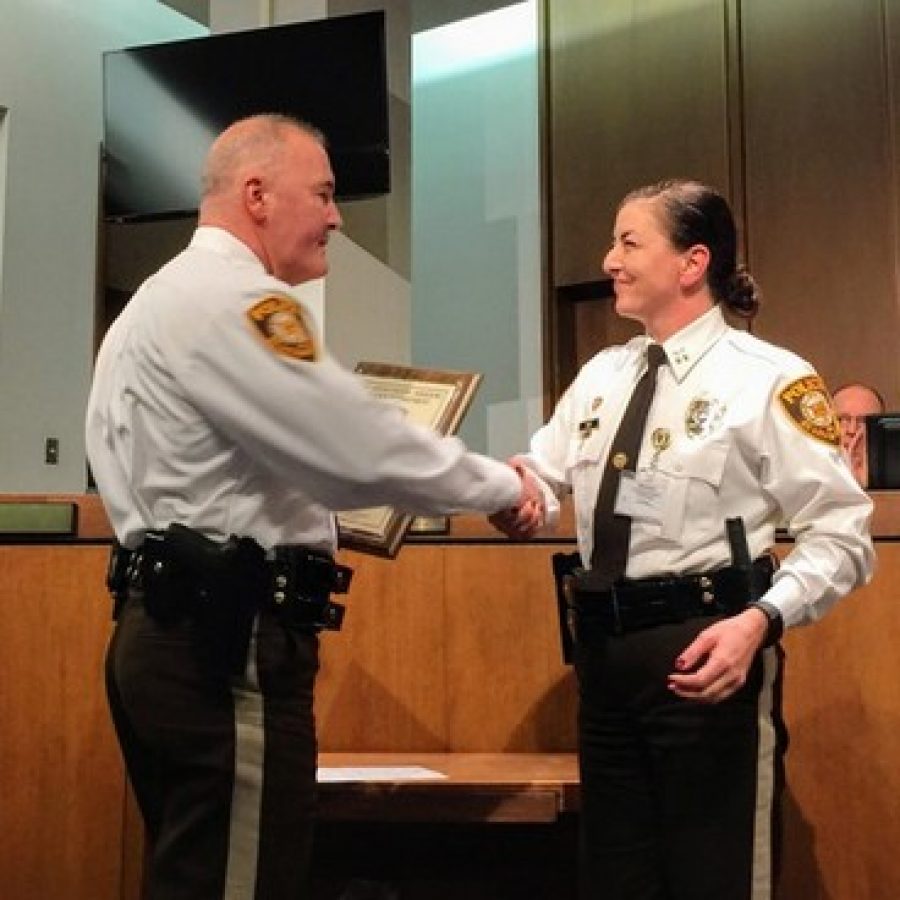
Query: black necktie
[612, 532]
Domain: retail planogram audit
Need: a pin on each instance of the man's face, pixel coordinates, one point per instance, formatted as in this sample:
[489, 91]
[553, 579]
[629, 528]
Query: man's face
[852, 405]
[300, 212]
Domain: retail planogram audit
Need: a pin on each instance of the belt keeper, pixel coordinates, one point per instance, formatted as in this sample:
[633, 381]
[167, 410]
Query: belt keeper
[342, 577]
[571, 610]
[618, 628]
[332, 616]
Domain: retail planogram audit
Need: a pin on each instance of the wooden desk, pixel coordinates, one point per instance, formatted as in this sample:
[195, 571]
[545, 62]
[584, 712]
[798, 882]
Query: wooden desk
[478, 788]
[498, 827]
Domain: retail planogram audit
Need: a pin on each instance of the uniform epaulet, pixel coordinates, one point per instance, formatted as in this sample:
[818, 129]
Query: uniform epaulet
[279, 321]
[809, 406]
[754, 346]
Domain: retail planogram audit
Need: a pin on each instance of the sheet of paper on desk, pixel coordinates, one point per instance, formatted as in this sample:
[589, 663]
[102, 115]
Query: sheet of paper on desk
[376, 773]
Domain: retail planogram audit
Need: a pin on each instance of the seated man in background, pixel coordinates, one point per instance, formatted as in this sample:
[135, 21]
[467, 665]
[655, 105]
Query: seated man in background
[853, 402]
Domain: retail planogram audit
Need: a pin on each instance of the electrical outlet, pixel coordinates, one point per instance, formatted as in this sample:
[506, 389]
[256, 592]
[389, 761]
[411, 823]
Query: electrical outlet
[51, 451]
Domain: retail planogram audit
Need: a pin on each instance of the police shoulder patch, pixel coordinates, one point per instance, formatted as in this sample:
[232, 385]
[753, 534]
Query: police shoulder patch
[808, 405]
[279, 320]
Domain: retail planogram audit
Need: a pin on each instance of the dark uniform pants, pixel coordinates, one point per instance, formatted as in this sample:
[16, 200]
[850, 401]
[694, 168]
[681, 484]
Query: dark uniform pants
[223, 767]
[678, 797]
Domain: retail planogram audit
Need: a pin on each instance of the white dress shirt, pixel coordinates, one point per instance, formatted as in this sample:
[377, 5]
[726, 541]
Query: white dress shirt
[719, 443]
[193, 418]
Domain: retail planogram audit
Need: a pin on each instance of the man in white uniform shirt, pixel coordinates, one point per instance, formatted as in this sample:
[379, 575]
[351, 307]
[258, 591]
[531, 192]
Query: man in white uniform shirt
[222, 436]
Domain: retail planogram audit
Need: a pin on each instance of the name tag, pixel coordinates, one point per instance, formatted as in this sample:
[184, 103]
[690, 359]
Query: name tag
[641, 496]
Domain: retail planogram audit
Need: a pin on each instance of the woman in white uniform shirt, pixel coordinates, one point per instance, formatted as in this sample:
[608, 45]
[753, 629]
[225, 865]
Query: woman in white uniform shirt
[679, 723]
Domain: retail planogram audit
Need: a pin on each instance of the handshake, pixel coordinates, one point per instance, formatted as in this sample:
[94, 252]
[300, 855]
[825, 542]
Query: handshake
[521, 521]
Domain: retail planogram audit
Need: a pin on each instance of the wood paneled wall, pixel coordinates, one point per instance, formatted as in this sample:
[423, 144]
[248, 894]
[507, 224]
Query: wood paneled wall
[448, 648]
[638, 91]
[792, 108]
[62, 789]
[821, 183]
[453, 646]
[842, 707]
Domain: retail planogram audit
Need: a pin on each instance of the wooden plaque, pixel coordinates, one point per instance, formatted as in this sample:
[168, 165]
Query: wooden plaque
[436, 399]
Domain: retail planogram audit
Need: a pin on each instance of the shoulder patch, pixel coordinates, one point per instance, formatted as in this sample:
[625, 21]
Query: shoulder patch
[808, 405]
[280, 322]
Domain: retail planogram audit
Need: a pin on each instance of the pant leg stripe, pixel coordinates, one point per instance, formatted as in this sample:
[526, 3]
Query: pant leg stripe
[769, 713]
[249, 749]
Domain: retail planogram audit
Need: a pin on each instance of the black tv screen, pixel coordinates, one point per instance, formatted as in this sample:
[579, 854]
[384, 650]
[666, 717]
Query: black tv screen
[883, 450]
[165, 103]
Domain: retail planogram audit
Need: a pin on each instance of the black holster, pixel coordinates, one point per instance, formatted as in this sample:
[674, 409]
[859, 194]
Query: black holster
[180, 574]
[118, 576]
[218, 585]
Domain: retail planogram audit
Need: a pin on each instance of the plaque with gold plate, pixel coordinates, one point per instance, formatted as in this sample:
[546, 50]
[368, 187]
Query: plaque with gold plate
[434, 398]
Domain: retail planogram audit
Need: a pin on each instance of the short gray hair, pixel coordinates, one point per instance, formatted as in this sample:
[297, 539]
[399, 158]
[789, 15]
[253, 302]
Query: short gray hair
[259, 139]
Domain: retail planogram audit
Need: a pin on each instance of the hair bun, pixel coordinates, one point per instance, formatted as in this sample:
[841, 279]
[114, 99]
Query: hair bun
[743, 296]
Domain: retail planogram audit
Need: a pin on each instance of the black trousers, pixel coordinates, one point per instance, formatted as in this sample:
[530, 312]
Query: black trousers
[223, 767]
[678, 798]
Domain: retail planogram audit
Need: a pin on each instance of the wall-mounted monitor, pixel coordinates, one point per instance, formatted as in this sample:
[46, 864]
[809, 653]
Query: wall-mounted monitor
[164, 104]
[883, 450]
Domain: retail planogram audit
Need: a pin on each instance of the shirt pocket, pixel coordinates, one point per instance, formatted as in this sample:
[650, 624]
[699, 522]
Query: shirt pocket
[694, 473]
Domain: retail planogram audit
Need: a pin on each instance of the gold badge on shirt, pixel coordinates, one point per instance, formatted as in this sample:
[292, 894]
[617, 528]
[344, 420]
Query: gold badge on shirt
[660, 439]
[279, 321]
[703, 416]
[808, 405]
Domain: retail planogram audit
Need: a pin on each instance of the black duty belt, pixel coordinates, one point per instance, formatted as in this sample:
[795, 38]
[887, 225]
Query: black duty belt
[301, 581]
[189, 571]
[631, 605]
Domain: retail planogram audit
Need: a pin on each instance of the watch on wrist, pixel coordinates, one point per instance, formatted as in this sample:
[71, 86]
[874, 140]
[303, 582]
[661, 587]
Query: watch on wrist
[775, 623]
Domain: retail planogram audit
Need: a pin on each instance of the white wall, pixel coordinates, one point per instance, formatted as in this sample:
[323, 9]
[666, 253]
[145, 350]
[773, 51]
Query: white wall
[476, 248]
[50, 86]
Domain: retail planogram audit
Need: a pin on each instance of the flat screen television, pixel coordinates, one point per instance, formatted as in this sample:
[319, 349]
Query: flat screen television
[164, 103]
[883, 450]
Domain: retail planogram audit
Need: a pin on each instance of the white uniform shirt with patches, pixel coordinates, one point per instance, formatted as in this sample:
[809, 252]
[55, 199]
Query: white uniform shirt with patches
[733, 450]
[194, 418]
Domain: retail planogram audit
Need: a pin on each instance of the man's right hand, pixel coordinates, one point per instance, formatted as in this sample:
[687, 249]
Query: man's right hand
[527, 516]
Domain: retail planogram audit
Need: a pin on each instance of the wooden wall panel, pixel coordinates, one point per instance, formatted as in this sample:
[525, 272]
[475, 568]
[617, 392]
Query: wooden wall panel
[597, 326]
[842, 705]
[448, 648]
[507, 688]
[453, 646]
[637, 92]
[821, 204]
[61, 778]
[382, 679]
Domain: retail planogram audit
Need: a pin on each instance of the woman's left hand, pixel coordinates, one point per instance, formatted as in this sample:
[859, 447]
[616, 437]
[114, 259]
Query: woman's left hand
[715, 664]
